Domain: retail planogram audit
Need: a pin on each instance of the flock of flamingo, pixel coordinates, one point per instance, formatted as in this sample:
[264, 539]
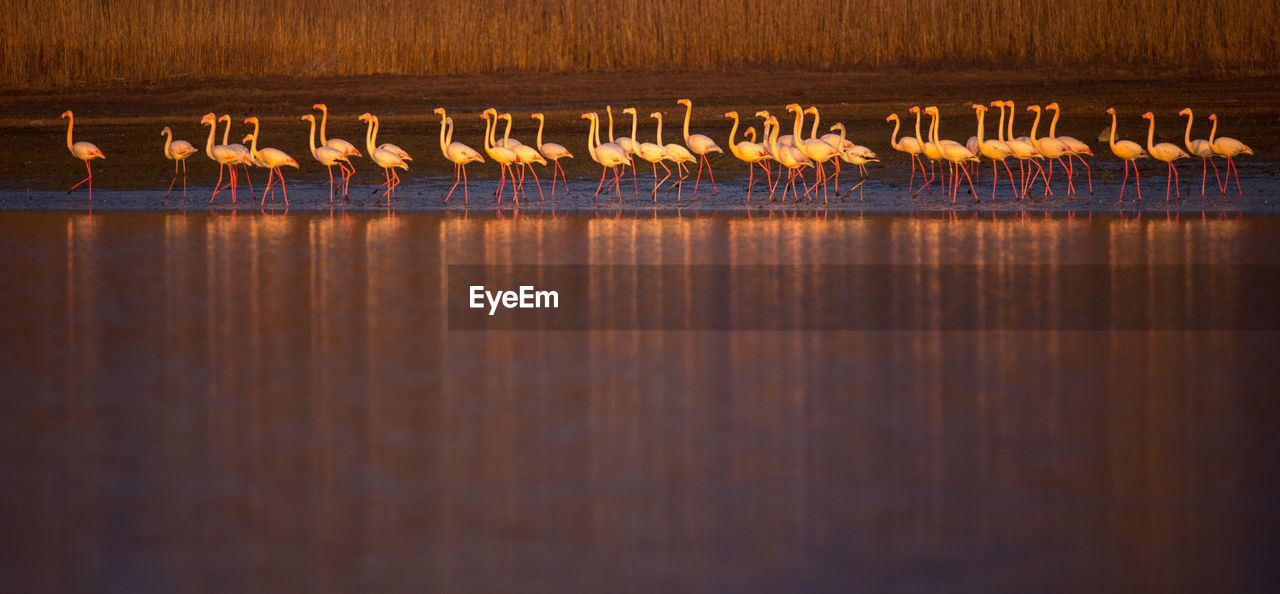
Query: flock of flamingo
[794, 152]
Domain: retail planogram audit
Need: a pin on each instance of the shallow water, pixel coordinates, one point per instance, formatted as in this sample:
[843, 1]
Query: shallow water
[247, 402]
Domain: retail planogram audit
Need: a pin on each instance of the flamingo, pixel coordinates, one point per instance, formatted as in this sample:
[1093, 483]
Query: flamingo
[245, 158]
[178, 150]
[526, 156]
[460, 154]
[1051, 149]
[501, 155]
[1074, 146]
[955, 153]
[609, 155]
[700, 145]
[1165, 152]
[85, 151]
[836, 141]
[272, 159]
[907, 145]
[1224, 145]
[994, 149]
[854, 154]
[1022, 151]
[676, 154]
[385, 158]
[1128, 152]
[816, 150]
[1200, 148]
[340, 145]
[326, 155]
[790, 157]
[748, 152]
[554, 152]
[654, 154]
[930, 149]
[627, 144]
[223, 155]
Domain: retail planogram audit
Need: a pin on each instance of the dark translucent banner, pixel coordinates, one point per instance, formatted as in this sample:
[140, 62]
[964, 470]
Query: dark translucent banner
[864, 297]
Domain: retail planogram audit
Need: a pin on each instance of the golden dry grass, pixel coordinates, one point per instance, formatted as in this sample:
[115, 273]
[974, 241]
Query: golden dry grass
[60, 42]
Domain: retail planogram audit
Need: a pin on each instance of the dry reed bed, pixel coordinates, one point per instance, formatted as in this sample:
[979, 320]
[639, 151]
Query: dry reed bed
[66, 42]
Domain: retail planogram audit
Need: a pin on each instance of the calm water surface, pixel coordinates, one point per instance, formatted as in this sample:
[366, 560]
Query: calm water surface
[221, 403]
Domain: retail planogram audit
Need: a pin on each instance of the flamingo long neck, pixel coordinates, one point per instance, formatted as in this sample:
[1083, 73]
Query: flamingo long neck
[487, 148]
[633, 125]
[1112, 140]
[254, 150]
[368, 137]
[324, 121]
[1012, 109]
[799, 123]
[773, 136]
[733, 146]
[168, 140]
[311, 137]
[688, 110]
[982, 117]
[1213, 131]
[842, 132]
[71, 122]
[1151, 134]
[609, 109]
[226, 134]
[1033, 128]
[659, 135]
[893, 138]
[1186, 137]
[374, 134]
[813, 133]
[1053, 124]
[1000, 126]
[506, 136]
[918, 138]
[591, 137]
[208, 145]
[933, 127]
[444, 141]
[541, 122]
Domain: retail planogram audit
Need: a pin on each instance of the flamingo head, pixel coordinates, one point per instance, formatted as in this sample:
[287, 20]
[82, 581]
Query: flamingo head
[685, 102]
[731, 114]
[656, 114]
[490, 111]
[166, 131]
[914, 109]
[585, 116]
[251, 120]
[1213, 117]
[320, 106]
[893, 117]
[247, 138]
[309, 118]
[837, 126]
[292, 163]
[762, 114]
[366, 116]
[208, 119]
[66, 114]
[931, 110]
[793, 107]
[225, 118]
[1186, 111]
[1148, 116]
[505, 116]
[537, 116]
[1009, 103]
[997, 104]
[1035, 108]
[1111, 111]
[1053, 106]
[980, 108]
[438, 111]
[811, 110]
[630, 110]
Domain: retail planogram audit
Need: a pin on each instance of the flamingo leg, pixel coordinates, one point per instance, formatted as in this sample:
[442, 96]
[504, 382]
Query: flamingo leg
[514, 193]
[995, 176]
[912, 181]
[1230, 163]
[184, 179]
[1204, 174]
[87, 179]
[635, 186]
[502, 178]
[1168, 179]
[1176, 188]
[215, 186]
[751, 178]
[971, 188]
[1088, 171]
[1010, 172]
[1137, 179]
[617, 182]
[466, 196]
[1071, 187]
[457, 177]
[330, 168]
[283, 188]
[1126, 179]
[249, 179]
[266, 190]
[541, 197]
[603, 171]
[234, 184]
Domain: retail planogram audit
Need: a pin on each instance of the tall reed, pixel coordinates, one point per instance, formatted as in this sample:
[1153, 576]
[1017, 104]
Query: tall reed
[60, 42]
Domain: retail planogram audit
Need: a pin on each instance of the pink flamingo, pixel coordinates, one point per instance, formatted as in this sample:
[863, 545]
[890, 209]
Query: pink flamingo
[555, 152]
[746, 151]
[1128, 152]
[383, 157]
[272, 159]
[907, 145]
[700, 145]
[245, 158]
[1224, 145]
[85, 151]
[178, 150]
[459, 154]
[1200, 148]
[1165, 152]
[325, 155]
[223, 155]
[346, 148]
